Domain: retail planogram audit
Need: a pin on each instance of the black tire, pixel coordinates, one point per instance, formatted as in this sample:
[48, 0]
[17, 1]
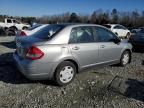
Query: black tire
[60, 68]
[10, 32]
[13, 30]
[122, 63]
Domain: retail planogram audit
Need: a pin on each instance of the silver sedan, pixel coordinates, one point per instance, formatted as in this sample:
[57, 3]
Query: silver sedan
[60, 51]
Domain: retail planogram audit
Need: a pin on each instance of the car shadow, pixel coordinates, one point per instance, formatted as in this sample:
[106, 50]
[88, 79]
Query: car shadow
[10, 74]
[10, 45]
[130, 88]
[135, 89]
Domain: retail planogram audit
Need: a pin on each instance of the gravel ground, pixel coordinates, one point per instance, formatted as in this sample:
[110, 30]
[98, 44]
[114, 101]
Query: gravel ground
[108, 87]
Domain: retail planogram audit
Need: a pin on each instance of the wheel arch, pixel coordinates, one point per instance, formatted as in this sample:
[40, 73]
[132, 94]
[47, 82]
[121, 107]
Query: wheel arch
[70, 60]
[11, 27]
[75, 63]
[130, 52]
[128, 32]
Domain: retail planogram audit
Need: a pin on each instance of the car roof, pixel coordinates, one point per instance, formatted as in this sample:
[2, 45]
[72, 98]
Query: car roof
[76, 24]
[112, 24]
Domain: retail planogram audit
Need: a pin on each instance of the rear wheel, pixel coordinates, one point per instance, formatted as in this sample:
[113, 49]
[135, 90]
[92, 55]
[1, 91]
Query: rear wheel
[10, 32]
[65, 73]
[125, 58]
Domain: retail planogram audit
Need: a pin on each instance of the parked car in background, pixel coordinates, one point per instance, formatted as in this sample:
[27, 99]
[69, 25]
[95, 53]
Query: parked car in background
[7, 32]
[60, 51]
[31, 30]
[141, 28]
[133, 31]
[11, 26]
[137, 40]
[119, 30]
[13, 23]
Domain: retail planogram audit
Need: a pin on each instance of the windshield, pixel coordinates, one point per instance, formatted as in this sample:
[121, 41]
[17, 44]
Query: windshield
[48, 31]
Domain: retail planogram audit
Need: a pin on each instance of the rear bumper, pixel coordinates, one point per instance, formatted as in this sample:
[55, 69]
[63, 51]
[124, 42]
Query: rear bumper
[34, 70]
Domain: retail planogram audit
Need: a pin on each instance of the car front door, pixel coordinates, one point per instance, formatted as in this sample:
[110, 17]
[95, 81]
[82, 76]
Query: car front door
[83, 47]
[108, 50]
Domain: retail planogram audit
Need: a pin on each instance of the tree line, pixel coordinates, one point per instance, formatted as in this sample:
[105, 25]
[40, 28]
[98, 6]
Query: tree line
[126, 18]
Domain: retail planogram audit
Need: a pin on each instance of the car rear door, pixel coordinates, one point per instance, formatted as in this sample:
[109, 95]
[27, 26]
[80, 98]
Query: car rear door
[83, 47]
[108, 50]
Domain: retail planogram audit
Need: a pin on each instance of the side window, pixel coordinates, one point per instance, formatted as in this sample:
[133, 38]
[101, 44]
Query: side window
[122, 27]
[81, 35]
[104, 35]
[17, 22]
[117, 27]
[14, 21]
[9, 21]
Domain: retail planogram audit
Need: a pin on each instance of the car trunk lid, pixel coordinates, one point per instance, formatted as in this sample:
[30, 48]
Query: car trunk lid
[23, 43]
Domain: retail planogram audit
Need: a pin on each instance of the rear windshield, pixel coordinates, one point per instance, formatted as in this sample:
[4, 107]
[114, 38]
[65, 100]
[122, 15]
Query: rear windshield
[107, 26]
[48, 31]
[34, 27]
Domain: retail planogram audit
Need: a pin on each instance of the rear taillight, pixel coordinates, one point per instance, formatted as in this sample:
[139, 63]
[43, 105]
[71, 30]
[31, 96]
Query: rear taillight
[34, 53]
[23, 33]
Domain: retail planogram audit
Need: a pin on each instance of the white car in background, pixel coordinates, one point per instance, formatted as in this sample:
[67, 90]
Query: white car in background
[14, 24]
[31, 30]
[119, 30]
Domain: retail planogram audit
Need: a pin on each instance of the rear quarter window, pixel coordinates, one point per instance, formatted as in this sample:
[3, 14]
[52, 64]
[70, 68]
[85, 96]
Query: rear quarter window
[34, 27]
[48, 31]
[9, 21]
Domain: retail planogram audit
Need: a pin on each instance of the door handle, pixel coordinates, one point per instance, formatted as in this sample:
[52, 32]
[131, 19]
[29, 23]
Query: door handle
[75, 48]
[102, 46]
